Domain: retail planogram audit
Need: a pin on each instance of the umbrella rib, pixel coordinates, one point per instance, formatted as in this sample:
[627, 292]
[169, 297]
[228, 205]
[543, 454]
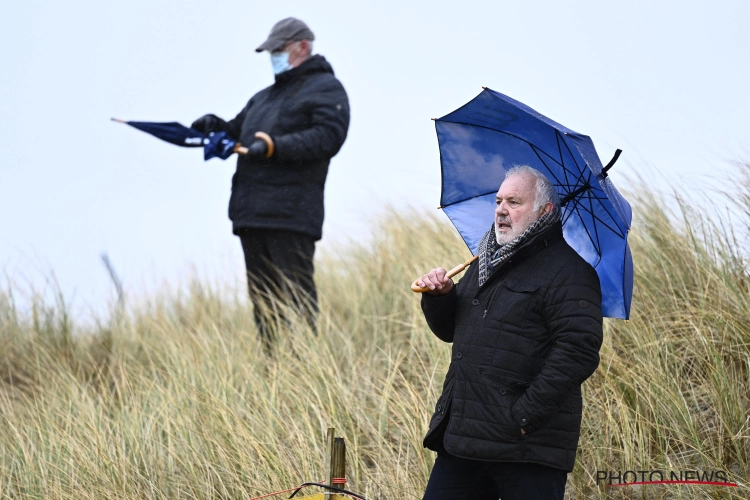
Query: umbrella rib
[581, 173]
[467, 199]
[612, 217]
[511, 135]
[595, 243]
[562, 161]
[603, 206]
[598, 198]
[569, 151]
[596, 227]
[618, 232]
[536, 151]
[576, 204]
[546, 154]
[484, 126]
[568, 215]
[565, 169]
[557, 134]
[569, 188]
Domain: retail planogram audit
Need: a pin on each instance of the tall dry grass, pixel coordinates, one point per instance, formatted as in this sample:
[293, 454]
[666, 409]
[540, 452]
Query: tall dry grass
[174, 398]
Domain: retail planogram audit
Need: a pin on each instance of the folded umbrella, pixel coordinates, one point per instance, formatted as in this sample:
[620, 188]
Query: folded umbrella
[490, 134]
[215, 144]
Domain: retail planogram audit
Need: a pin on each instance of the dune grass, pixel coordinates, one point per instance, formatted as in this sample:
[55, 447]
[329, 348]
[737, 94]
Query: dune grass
[175, 398]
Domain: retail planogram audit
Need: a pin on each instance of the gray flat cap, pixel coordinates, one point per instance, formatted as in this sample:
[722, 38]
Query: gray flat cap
[289, 29]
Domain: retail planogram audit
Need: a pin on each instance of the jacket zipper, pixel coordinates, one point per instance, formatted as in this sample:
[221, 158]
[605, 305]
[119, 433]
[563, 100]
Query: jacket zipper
[489, 300]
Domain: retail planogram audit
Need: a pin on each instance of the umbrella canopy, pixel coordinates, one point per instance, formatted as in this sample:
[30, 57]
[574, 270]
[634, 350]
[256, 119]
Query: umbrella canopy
[492, 133]
[215, 145]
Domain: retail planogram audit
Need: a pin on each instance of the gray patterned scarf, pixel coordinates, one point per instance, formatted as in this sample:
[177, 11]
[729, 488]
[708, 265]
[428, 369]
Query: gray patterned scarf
[492, 255]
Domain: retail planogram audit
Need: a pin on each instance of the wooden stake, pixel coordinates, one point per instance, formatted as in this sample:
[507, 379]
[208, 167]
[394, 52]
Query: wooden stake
[329, 458]
[338, 468]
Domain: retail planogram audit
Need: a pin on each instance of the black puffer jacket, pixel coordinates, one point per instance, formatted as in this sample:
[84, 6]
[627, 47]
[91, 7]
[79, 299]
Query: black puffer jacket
[522, 346]
[306, 112]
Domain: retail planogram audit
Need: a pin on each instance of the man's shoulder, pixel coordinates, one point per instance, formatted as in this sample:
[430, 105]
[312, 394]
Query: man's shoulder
[261, 94]
[323, 81]
[569, 266]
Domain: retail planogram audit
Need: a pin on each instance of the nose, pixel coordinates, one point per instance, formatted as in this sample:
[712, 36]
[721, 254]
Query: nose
[501, 208]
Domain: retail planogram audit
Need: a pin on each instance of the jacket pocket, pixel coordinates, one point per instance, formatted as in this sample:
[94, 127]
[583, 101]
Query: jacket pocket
[500, 376]
[522, 286]
[510, 301]
[498, 392]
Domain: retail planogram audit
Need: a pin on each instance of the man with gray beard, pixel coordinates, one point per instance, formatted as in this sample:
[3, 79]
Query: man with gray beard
[526, 328]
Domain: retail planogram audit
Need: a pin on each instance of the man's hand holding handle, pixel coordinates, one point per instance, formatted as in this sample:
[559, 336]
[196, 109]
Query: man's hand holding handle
[209, 123]
[437, 281]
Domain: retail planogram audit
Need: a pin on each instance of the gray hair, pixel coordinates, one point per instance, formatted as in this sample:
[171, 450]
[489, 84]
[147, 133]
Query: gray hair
[545, 191]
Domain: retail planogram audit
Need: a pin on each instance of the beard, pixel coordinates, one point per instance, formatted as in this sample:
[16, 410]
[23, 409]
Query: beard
[516, 229]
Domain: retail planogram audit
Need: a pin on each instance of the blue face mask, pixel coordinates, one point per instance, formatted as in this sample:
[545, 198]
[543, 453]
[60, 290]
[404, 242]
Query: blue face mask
[280, 62]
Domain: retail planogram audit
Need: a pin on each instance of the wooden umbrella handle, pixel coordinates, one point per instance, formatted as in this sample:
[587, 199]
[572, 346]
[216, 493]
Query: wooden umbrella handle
[270, 148]
[421, 289]
[269, 142]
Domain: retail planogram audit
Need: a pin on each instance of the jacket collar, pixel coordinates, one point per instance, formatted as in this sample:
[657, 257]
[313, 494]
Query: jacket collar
[314, 64]
[535, 244]
[539, 241]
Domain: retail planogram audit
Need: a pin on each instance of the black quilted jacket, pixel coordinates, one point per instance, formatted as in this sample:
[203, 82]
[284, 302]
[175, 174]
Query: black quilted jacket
[306, 112]
[522, 346]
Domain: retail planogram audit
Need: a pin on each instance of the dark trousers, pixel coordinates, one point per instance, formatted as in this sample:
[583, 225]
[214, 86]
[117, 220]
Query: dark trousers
[279, 274]
[456, 478]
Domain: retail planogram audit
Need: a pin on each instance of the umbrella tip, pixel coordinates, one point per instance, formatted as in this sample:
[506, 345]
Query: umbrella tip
[484, 87]
[118, 120]
[433, 119]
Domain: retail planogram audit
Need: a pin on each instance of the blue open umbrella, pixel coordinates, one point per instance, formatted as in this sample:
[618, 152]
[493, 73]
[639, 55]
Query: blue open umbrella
[215, 144]
[492, 133]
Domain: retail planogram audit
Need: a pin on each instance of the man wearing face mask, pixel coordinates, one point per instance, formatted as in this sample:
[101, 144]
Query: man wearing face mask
[291, 129]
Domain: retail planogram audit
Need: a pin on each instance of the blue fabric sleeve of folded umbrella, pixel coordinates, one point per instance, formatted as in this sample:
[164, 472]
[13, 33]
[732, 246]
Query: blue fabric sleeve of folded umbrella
[215, 145]
[172, 132]
[218, 145]
[482, 139]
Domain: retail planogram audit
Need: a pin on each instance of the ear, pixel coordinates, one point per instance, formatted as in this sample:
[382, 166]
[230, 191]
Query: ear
[547, 208]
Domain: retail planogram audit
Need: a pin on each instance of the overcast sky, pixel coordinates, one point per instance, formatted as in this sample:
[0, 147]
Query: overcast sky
[665, 81]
